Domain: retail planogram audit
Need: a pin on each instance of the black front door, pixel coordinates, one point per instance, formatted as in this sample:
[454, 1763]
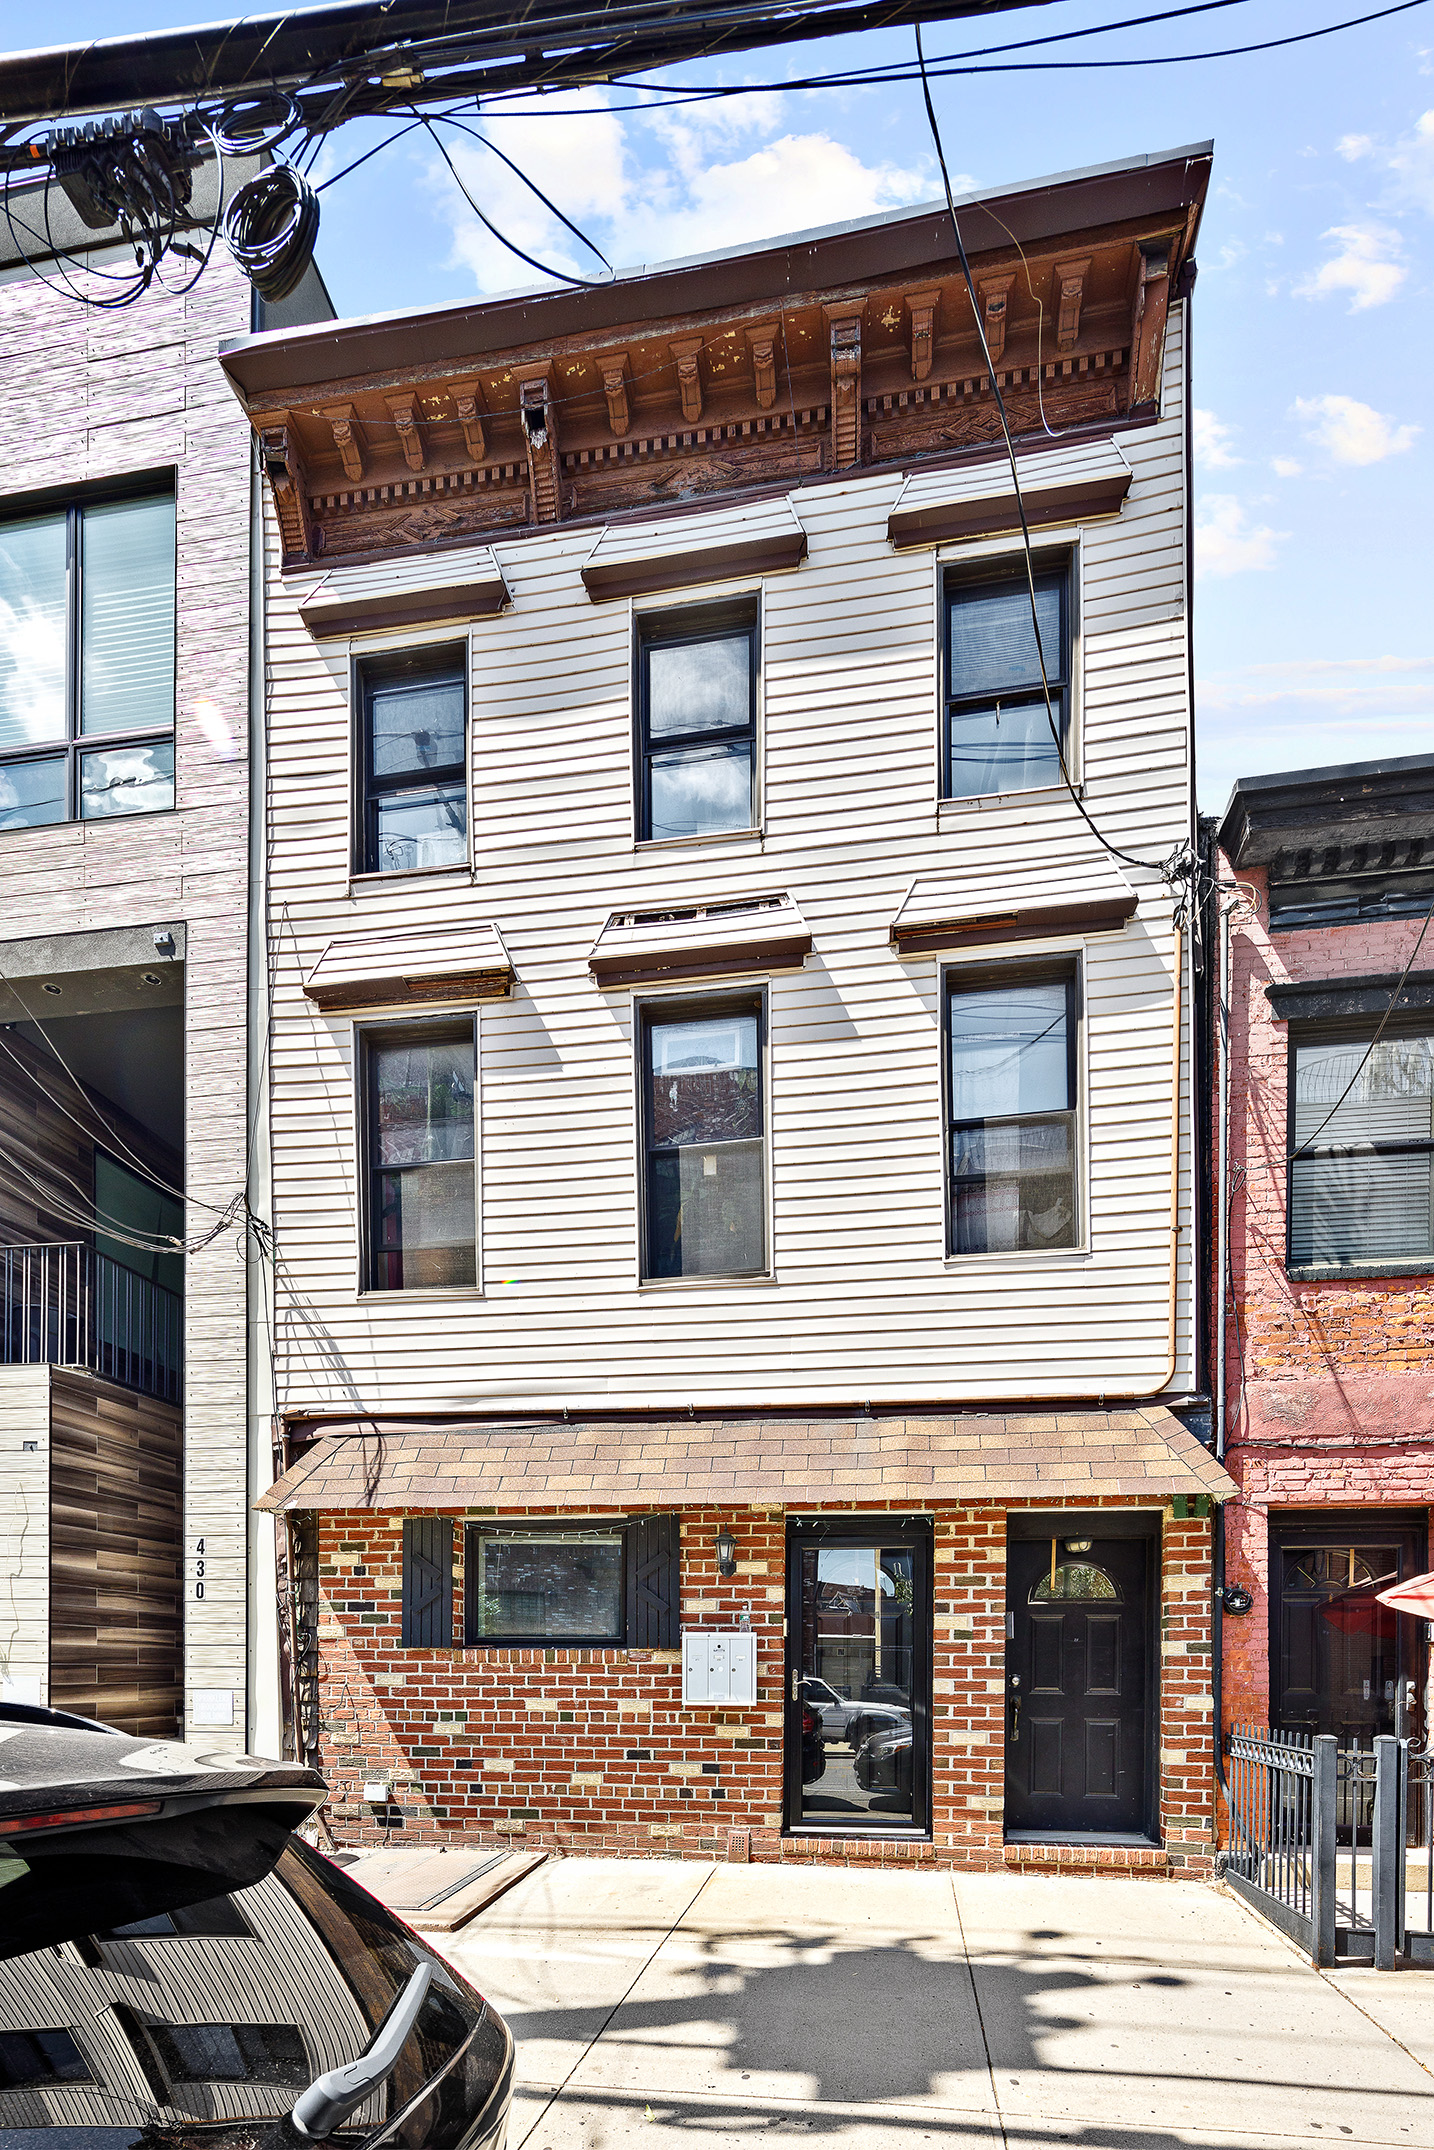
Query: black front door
[1339, 1660]
[1078, 1709]
[858, 1746]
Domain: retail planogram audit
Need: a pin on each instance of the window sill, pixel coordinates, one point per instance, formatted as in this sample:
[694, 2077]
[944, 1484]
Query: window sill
[991, 801]
[661, 1284]
[1416, 1265]
[409, 874]
[421, 1291]
[843, 1832]
[1028, 1257]
[689, 843]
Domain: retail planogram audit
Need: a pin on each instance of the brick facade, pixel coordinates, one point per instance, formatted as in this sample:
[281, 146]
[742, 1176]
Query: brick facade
[1330, 1383]
[592, 1750]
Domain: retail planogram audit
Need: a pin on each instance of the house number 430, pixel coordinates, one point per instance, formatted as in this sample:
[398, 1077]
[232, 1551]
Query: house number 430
[199, 1567]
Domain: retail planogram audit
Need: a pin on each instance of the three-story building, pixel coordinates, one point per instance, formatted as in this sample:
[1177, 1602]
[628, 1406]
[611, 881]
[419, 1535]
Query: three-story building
[735, 1272]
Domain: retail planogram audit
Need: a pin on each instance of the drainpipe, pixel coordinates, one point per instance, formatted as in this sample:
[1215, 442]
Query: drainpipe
[1222, 1272]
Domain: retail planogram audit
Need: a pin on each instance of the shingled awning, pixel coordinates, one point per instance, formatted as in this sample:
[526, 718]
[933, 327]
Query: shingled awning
[970, 1456]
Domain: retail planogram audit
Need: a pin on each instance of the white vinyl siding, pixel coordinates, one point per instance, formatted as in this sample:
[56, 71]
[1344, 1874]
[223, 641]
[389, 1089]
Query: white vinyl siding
[861, 1301]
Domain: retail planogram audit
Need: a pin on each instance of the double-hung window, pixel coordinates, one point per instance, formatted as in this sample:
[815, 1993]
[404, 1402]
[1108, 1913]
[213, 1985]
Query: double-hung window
[418, 1082]
[697, 721]
[87, 663]
[1362, 1170]
[703, 1113]
[1011, 1109]
[414, 809]
[998, 734]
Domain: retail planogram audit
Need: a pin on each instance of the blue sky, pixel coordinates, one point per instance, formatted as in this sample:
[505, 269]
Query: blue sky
[1312, 315]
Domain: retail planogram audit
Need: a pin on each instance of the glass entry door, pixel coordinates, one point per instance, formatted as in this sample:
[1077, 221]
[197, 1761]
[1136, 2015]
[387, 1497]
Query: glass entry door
[858, 1741]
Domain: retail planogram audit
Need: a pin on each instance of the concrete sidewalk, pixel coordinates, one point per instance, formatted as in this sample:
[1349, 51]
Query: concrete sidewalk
[655, 2001]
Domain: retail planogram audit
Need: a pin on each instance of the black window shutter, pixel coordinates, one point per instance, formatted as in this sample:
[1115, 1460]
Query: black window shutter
[653, 1605]
[427, 1582]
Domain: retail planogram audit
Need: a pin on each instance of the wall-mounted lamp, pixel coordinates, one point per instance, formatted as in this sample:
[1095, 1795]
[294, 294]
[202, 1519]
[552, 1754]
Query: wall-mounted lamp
[164, 943]
[1236, 1598]
[726, 1552]
[1078, 1545]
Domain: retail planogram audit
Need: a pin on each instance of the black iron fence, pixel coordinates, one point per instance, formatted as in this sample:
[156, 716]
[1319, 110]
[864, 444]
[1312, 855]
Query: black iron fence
[1332, 1844]
[64, 1304]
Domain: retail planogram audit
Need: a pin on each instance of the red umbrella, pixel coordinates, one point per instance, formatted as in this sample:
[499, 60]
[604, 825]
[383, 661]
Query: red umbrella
[1416, 1597]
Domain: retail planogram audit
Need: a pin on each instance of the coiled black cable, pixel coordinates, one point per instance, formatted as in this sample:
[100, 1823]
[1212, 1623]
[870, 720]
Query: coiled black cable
[271, 227]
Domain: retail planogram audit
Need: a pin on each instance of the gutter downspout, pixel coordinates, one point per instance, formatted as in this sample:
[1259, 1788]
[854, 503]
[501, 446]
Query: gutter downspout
[1222, 1268]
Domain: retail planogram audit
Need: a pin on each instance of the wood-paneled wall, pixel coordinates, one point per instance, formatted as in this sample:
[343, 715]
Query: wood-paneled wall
[116, 1503]
[863, 1301]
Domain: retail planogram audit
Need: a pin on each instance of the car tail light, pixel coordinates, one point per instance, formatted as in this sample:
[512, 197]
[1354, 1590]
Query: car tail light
[19, 1824]
[810, 1721]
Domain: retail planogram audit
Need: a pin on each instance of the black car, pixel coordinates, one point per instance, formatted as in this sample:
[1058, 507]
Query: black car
[883, 1762]
[814, 1747]
[177, 1966]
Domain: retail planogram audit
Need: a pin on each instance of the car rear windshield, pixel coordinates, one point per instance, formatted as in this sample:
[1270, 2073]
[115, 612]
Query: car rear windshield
[213, 2015]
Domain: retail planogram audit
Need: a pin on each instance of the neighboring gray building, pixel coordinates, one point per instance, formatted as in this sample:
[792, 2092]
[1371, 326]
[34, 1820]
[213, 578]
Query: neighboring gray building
[126, 692]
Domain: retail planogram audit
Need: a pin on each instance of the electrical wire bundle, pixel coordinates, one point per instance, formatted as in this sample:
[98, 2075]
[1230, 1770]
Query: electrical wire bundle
[270, 229]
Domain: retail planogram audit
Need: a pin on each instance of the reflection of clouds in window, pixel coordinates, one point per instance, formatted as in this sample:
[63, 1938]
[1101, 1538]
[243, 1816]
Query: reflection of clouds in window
[127, 780]
[32, 793]
[32, 631]
[706, 1047]
[701, 790]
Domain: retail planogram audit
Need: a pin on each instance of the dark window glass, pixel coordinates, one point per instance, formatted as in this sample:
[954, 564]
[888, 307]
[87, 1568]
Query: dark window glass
[1011, 1106]
[1363, 1191]
[703, 1122]
[562, 1585]
[697, 694]
[38, 2060]
[232, 2053]
[998, 733]
[415, 804]
[420, 1156]
[220, 1916]
[87, 651]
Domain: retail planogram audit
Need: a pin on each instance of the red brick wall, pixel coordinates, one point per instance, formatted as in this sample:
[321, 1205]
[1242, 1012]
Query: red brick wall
[592, 1750]
[1330, 1385]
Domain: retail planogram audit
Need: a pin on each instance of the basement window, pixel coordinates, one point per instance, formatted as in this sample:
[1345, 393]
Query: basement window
[87, 663]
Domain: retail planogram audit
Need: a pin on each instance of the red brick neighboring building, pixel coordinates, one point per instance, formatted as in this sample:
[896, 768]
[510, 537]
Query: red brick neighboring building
[1329, 1388]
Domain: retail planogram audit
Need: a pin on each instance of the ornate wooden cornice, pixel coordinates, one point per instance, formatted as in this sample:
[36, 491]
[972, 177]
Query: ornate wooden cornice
[640, 411]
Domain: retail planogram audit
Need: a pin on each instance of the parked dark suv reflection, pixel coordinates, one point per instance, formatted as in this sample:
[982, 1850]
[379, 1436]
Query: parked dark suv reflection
[178, 1971]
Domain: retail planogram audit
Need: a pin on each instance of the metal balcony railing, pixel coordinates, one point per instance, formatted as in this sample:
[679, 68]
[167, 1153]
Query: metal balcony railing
[64, 1304]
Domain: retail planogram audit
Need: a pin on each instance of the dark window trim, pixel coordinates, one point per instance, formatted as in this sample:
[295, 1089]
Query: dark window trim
[1085, 1523]
[686, 624]
[962, 577]
[442, 658]
[366, 1036]
[1350, 1031]
[1037, 970]
[72, 502]
[620, 1528]
[677, 1009]
[1354, 1001]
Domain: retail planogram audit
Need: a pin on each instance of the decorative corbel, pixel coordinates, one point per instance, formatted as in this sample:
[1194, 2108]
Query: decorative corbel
[995, 292]
[921, 306]
[613, 367]
[347, 430]
[540, 438]
[844, 323]
[289, 486]
[1147, 321]
[1069, 291]
[689, 380]
[468, 402]
[404, 411]
[762, 343]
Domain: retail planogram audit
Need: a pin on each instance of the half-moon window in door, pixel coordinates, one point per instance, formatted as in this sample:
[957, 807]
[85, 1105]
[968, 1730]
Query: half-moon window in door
[1074, 1579]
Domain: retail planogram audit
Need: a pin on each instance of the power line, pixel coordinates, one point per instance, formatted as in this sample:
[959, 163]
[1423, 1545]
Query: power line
[558, 276]
[1299, 1152]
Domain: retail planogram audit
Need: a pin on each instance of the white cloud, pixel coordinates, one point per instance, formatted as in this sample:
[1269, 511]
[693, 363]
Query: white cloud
[1213, 449]
[1285, 466]
[1227, 543]
[1365, 266]
[1352, 432]
[1412, 162]
[1354, 146]
[1304, 713]
[658, 186]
